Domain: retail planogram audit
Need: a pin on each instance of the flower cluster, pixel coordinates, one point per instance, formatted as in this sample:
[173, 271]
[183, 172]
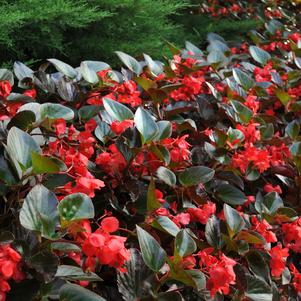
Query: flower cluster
[177, 178]
[10, 269]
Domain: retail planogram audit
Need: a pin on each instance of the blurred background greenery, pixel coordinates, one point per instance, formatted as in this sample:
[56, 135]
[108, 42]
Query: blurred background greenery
[74, 30]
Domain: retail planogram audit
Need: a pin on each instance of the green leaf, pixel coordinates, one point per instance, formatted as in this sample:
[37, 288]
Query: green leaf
[195, 175]
[70, 272]
[252, 174]
[234, 134]
[230, 194]
[178, 273]
[74, 292]
[213, 233]
[272, 202]
[88, 73]
[7, 75]
[160, 152]
[130, 62]
[165, 129]
[7, 174]
[286, 214]
[243, 79]
[146, 125]
[22, 120]
[170, 295]
[134, 284]
[145, 83]
[267, 131]
[243, 112]
[152, 253]
[258, 265]
[283, 96]
[42, 164]
[184, 244]
[96, 65]
[20, 146]
[52, 181]
[103, 131]
[215, 57]
[44, 262]
[153, 66]
[234, 221]
[166, 176]
[192, 48]
[295, 149]
[293, 129]
[152, 200]
[22, 71]
[198, 277]
[259, 55]
[76, 206]
[117, 110]
[88, 112]
[257, 289]
[65, 247]
[63, 67]
[166, 224]
[39, 211]
[55, 111]
[251, 237]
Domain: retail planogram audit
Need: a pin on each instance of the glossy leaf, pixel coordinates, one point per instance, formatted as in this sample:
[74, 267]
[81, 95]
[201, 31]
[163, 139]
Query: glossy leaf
[234, 221]
[153, 254]
[195, 175]
[20, 146]
[184, 244]
[167, 225]
[88, 74]
[76, 206]
[230, 194]
[63, 67]
[166, 176]
[146, 125]
[74, 292]
[42, 164]
[117, 110]
[243, 79]
[39, 211]
[130, 62]
[259, 55]
[55, 111]
[70, 272]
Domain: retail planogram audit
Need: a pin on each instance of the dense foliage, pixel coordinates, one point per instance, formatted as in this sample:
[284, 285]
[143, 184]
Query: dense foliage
[80, 29]
[173, 180]
[233, 19]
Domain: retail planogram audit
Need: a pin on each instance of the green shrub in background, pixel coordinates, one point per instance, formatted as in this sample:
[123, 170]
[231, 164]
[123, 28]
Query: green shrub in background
[74, 30]
[90, 29]
[197, 26]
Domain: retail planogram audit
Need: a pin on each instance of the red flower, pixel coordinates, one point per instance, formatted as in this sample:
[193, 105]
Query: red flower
[31, 93]
[278, 260]
[9, 268]
[220, 269]
[5, 88]
[292, 235]
[119, 127]
[108, 249]
[60, 126]
[297, 278]
[263, 228]
[110, 224]
[271, 188]
[202, 213]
